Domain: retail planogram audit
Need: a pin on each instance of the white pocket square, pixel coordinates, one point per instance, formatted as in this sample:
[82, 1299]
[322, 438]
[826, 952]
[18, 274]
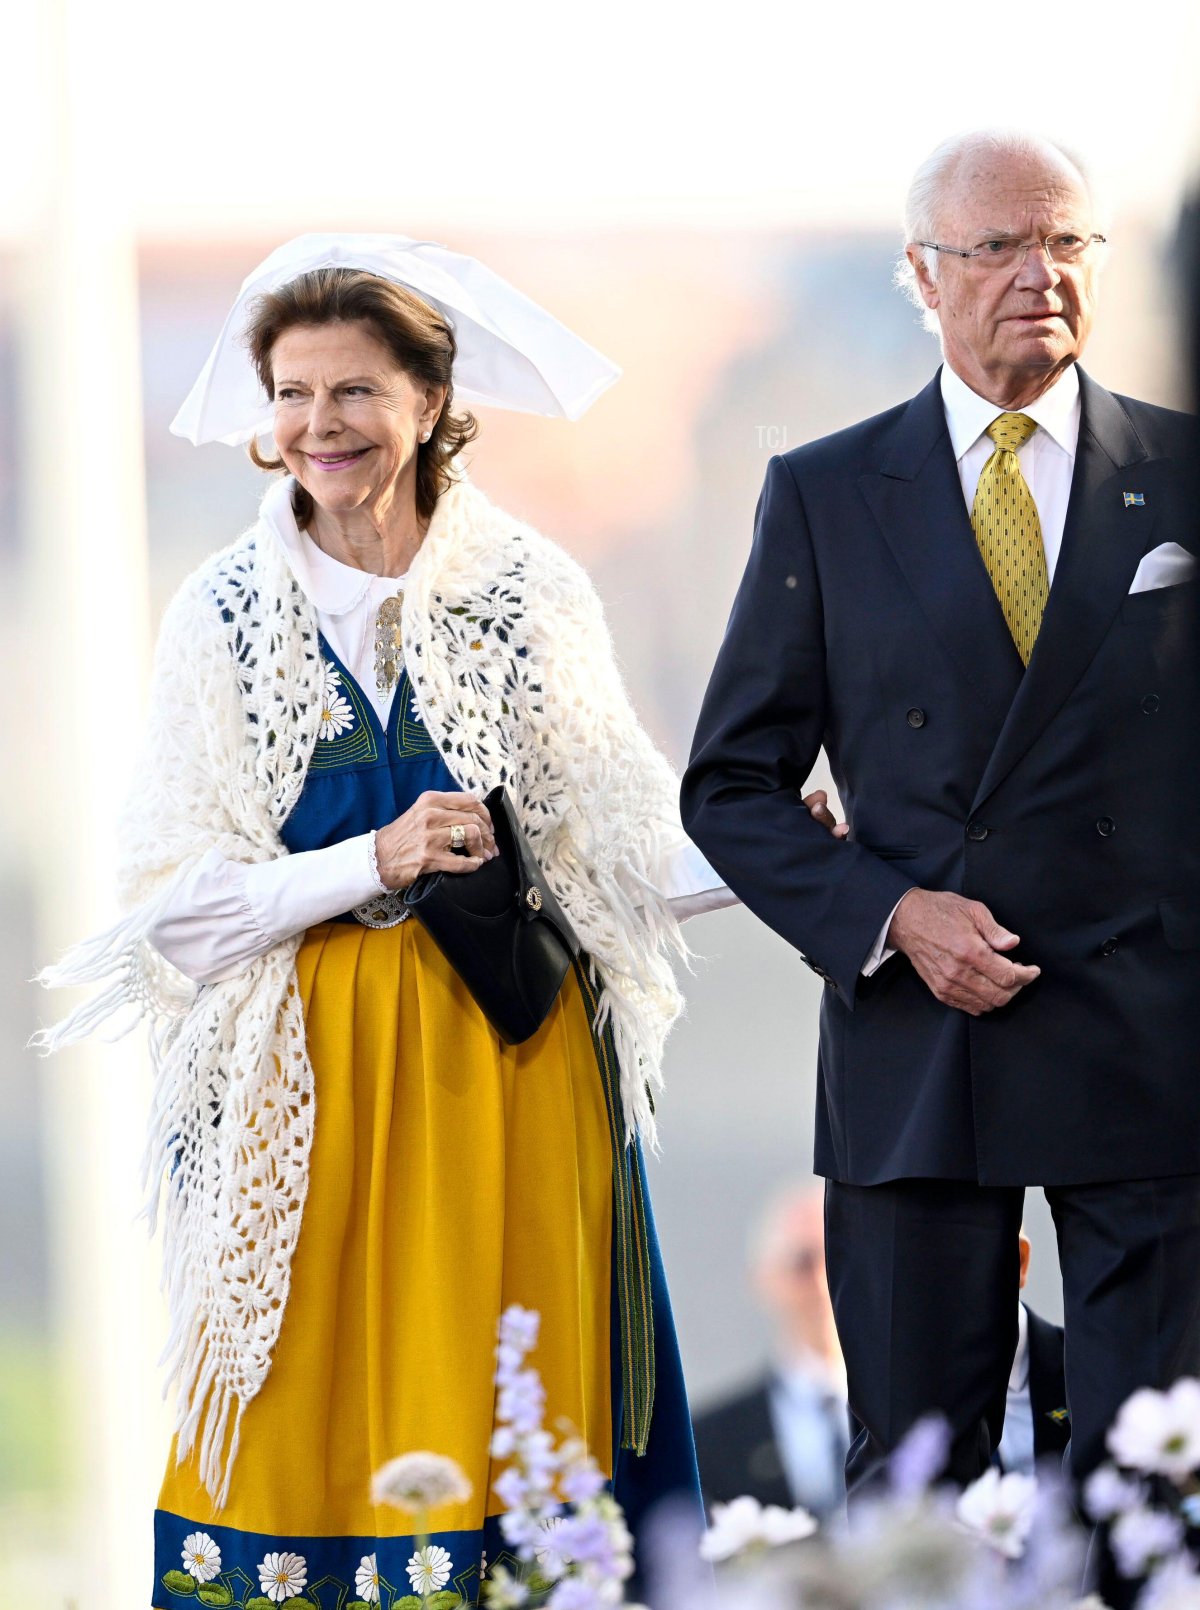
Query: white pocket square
[1165, 566]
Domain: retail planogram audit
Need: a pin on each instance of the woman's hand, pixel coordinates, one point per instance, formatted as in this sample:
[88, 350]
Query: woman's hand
[420, 840]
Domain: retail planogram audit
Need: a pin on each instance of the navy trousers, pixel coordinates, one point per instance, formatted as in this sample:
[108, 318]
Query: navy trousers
[924, 1279]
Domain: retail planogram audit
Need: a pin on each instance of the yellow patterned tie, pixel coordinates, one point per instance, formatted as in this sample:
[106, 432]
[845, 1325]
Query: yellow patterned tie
[1009, 533]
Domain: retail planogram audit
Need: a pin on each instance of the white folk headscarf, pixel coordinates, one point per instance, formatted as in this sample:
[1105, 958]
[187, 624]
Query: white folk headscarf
[511, 352]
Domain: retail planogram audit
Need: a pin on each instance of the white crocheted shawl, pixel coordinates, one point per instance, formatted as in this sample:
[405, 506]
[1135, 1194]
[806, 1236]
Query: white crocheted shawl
[514, 674]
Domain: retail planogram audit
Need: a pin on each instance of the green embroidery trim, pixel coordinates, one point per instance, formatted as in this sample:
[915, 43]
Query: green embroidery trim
[412, 737]
[351, 748]
[631, 1251]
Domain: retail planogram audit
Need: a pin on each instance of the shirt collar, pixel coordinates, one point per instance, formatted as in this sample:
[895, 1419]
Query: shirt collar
[968, 414]
[329, 585]
[1018, 1378]
[803, 1373]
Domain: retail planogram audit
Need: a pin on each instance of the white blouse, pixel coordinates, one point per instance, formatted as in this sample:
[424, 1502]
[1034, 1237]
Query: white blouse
[225, 913]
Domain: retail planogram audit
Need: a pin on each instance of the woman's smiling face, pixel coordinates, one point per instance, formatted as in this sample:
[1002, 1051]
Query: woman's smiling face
[348, 420]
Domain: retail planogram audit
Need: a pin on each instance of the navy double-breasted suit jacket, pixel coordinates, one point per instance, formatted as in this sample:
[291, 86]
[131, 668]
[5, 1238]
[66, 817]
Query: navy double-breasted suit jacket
[1065, 796]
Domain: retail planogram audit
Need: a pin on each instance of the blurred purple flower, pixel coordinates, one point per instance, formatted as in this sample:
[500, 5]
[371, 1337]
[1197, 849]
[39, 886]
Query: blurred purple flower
[573, 1593]
[920, 1458]
[511, 1488]
[1175, 1587]
[519, 1328]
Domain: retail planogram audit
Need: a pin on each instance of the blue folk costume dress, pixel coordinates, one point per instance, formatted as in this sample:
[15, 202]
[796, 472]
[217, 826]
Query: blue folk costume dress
[450, 1176]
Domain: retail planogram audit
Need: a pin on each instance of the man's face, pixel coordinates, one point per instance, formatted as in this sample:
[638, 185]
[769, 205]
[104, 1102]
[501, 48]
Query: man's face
[1010, 332]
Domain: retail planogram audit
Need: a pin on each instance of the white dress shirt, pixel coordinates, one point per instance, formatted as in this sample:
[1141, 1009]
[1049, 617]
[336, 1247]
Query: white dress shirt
[1016, 1443]
[1047, 462]
[225, 913]
[807, 1404]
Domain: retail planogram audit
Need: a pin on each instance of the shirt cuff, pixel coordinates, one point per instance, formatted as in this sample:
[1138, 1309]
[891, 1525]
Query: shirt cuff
[225, 913]
[881, 951]
[294, 892]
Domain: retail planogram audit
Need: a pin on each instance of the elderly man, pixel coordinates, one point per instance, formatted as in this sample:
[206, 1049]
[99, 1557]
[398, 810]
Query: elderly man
[983, 604]
[783, 1438]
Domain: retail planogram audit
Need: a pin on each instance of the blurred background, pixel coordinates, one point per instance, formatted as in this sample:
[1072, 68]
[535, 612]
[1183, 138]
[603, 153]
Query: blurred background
[713, 201]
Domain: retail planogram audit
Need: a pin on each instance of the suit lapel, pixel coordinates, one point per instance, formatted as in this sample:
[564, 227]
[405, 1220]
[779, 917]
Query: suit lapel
[916, 498]
[1103, 541]
[1047, 1387]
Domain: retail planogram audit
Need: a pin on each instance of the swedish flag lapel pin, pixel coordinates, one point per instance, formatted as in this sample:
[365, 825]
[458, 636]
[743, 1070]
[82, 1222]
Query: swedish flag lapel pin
[1135, 500]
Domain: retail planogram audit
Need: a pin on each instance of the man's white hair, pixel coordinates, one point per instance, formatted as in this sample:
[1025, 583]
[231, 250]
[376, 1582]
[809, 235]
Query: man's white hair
[934, 180]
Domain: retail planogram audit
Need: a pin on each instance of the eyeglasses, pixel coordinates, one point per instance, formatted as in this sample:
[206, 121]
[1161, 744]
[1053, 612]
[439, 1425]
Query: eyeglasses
[1061, 250]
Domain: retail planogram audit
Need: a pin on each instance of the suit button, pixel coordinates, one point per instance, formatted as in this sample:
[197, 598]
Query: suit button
[915, 718]
[976, 831]
[1106, 827]
[1151, 703]
[1109, 947]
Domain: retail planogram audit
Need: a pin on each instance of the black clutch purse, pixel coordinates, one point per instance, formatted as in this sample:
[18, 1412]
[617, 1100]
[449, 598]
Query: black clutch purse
[500, 928]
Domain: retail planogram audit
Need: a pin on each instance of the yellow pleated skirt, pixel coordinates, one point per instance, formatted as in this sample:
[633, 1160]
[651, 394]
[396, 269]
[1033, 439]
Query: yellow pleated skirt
[451, 1175]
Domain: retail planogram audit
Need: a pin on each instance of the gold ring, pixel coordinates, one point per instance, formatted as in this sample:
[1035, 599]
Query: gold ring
[458, 837]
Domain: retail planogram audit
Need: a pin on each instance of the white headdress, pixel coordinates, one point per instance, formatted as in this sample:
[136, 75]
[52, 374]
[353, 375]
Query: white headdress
[511, 352]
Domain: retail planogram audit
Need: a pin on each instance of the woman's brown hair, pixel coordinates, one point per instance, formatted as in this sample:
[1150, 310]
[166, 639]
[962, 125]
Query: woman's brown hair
[417, 336]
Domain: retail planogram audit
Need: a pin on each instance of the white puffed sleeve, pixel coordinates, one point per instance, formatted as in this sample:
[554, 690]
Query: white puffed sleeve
[224, 913]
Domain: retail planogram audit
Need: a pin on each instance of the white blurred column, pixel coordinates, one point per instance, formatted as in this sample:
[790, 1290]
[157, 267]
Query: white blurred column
[80, 402]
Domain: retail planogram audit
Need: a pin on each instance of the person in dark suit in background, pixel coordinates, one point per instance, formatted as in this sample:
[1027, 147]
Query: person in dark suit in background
[1037, 1425]
[783, 1438]
[983, 604]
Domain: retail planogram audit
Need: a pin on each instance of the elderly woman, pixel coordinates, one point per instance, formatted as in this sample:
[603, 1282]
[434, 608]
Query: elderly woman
[361, 1176]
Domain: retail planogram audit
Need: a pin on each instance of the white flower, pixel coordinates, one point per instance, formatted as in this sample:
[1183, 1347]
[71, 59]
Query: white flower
[999, 1509]
[786, 1525]
[551, 1555]
[282, 1576]
[1159, 1432]
[1107, 1493]
[366, 1579]
[1143, 1538]
[336, 716]
[429, 1570]
[201, 1556]
[419, 1481]
[331, 683]
[745, 1524]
